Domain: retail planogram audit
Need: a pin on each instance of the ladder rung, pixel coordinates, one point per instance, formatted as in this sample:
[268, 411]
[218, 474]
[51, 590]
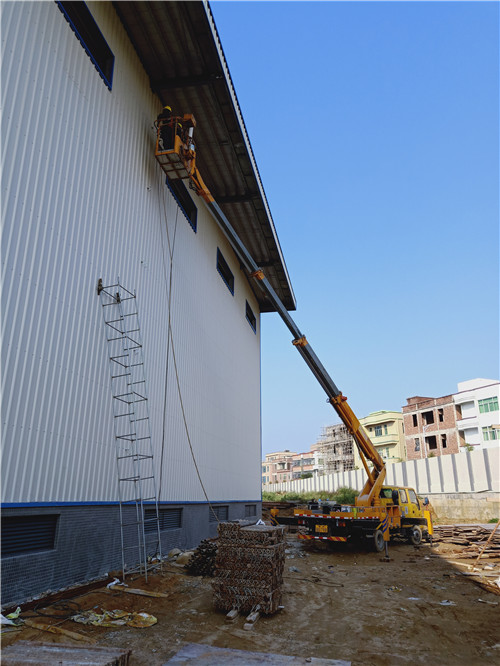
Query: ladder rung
[140, 381]
[125, 374]
[127, 437]
[141, 439]
[138, 456]
[137, 478]
[115, 328]
[123, 365]
[144, 418]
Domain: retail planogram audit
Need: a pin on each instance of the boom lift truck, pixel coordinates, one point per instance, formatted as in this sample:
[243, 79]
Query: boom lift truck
[379, 511]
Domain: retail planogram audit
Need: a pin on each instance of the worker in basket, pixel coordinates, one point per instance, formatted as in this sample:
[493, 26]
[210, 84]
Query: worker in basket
[166, 141]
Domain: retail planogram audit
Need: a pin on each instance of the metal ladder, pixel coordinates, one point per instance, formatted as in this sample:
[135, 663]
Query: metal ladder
[139, 529]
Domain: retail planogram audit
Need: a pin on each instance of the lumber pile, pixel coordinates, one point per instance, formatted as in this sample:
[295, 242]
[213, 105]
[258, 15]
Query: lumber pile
[202, 562]
[249, 568]
[471, 538]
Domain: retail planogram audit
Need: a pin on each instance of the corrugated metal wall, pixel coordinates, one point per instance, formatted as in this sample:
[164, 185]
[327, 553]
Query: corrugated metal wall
[83, 198]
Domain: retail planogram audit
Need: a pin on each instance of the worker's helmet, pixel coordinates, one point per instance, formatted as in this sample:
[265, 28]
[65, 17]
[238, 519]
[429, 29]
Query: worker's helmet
[167, 108]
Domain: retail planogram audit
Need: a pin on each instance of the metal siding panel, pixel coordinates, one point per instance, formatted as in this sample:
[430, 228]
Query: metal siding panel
[82, 199]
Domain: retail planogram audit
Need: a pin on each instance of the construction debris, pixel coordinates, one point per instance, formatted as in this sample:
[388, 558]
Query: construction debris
[133, 590]
[41, 654]
[249, 568]
[472, 538]
[115, 618]
[202, 563]
[54, 629]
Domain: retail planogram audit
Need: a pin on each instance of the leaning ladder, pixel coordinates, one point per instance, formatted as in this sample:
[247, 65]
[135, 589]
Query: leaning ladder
[139, 516]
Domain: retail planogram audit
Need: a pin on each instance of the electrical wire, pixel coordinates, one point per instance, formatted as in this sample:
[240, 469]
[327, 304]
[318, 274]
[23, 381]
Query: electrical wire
[170, 342]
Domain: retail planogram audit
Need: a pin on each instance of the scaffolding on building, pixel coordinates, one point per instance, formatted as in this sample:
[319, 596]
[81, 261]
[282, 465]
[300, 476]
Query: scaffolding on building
[336, 446]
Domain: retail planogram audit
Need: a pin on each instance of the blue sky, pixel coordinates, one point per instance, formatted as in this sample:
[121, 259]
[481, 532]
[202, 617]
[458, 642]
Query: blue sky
[375, 130]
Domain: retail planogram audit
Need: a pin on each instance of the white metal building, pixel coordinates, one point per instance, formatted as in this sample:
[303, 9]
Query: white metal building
[83, 198]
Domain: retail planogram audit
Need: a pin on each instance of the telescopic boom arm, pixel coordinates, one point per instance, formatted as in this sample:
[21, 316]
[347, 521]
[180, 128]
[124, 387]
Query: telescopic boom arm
[180, 162]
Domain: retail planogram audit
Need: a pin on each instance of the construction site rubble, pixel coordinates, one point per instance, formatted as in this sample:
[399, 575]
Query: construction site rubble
[115, 618]
[471, 538]
[249, 568]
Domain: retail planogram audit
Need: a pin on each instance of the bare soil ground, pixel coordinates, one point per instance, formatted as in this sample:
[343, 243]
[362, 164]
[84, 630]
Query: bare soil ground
[342, 604]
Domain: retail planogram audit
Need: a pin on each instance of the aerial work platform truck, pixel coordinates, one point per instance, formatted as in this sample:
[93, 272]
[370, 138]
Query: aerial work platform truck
[380, 511]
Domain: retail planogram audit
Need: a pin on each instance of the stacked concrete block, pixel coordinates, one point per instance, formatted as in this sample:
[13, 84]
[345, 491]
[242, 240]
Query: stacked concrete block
[249, 568]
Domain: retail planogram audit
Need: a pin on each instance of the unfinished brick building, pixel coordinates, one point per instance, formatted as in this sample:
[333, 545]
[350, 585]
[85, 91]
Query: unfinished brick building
[430, 426]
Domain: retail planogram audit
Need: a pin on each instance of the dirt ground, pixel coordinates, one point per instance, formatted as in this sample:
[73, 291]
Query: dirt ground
[342, 604]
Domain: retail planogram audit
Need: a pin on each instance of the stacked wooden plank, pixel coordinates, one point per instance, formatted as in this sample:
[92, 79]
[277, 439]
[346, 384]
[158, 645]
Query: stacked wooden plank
[471, 538]
[249, 568]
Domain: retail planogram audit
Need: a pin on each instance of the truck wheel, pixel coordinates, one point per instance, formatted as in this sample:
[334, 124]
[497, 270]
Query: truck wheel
[378, 541]
[415, 536]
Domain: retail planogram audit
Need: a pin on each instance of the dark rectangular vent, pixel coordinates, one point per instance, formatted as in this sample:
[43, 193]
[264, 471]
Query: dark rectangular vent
[250, 510]
[221, 513]
[225, 271]
[28, 534]
[87, 31]
[251, 319]
[184, 201]
[169, 519]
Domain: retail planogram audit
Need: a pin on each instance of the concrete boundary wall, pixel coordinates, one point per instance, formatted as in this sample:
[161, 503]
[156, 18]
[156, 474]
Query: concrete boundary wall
[465, 472]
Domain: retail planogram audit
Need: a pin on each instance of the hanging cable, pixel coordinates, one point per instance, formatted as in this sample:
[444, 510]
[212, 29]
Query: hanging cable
[168, 284]
[170, 342]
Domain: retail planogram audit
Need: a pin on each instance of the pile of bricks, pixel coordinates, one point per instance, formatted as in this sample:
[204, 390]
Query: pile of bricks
[249, 568]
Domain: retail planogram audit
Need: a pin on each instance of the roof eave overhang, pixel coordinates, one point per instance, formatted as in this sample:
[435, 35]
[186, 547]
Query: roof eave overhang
[181, 52]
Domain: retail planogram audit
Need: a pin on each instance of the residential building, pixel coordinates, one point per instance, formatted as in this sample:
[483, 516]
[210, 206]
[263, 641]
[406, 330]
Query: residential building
[453, 423]
[385, 430]
[430, 427]
[337, 448]
[310, 463]
[84, 199]
[478, 417]
[277, 466]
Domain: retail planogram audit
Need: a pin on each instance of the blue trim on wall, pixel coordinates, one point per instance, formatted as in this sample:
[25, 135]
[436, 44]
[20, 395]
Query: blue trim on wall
[36, 505]
[192, 223]
[108, 82]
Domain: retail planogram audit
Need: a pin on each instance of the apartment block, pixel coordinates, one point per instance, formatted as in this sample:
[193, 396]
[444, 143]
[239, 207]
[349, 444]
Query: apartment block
[385, 429]
[430, 427]
[277, 467]
[478, 418]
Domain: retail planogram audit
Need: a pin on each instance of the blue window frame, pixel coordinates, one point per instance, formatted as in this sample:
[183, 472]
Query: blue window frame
[184, 201]
[87, 31]
[251, 319]
[225, 271]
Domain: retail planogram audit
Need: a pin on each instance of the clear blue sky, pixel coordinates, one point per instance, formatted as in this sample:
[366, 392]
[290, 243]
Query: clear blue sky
[375, 130]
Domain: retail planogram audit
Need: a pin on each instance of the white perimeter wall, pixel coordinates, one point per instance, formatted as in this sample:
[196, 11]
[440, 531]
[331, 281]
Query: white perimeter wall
[82, 199]
[475, 471]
